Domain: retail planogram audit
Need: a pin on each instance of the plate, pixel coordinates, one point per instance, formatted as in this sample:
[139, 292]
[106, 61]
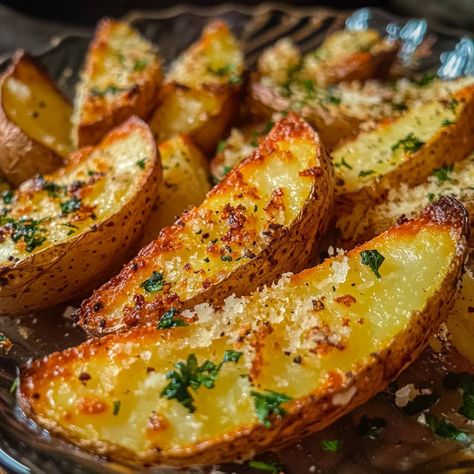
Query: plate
[404, 445]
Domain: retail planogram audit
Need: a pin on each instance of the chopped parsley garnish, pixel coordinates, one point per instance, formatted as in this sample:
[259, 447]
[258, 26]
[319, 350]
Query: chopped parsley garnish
[331, 445]
[273, 467]
[267, 404]
[371, 428]
[25, 229]
[95, 92]
[425, 80]
[116, 407]
[420, 403]
[72, 205]
[72, 228]
[140, 64]
[168, 320]
[445, 429]
[344, 163]
[226, 258]
[364, 173]
[452, 104]
[7, 197]
[189, 375]
[227, 70]
[155, 283]
[442, 174]
[373, 259]
[431, 196]
[3, 338]
[226, 170]
[409, 144]
[268, 126]
[447, 122]
[15, 385]
[53, 189]
[141, 163]
[220, 146]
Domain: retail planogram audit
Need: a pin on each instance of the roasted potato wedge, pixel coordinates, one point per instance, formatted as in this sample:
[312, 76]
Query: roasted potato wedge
[406, 149]
[64, 233]
[35, 120]
[121, 77]
[200, 96]
[262, 220]
[185, 184]
[362, 222]
[265, 369]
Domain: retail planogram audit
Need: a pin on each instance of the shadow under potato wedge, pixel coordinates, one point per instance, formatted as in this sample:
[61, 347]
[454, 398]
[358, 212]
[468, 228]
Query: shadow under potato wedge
[200, 96]
[262, 220]
[65, 233]
[35, 121]
[121, 77]
[264, 369]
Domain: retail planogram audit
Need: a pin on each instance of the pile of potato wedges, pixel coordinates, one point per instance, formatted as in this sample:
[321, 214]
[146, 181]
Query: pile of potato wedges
[192, 211]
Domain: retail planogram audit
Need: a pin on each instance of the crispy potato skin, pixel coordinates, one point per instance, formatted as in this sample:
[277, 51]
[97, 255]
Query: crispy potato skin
[73, 267]
[22, 157]
[304, 415]
[97, 115]
[279, 248]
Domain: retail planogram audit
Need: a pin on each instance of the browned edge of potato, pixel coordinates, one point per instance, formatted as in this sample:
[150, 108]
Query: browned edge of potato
[22, 157]
[271, 234]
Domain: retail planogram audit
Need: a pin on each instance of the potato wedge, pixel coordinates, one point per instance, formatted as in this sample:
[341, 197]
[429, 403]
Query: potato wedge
[265, 369]
[200, 96]
[362, 222]
[259, 222]
[34, 121]
[64, 233]
[185, 184]
[121, 77]
[406, 149]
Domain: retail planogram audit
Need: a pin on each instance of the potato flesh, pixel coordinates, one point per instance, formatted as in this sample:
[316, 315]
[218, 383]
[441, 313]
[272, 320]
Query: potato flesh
[117, 160]
[185, 184]
[34, 104]
[253, 188]
[383, 308]
[372, 153]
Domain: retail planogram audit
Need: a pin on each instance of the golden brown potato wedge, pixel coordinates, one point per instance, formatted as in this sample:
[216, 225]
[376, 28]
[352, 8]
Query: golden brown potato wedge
[35, 121]
[262, 220]
[121, 77]
[64, 233]
[406, 149]
[200, 96]
[185, 184]
[265, 369]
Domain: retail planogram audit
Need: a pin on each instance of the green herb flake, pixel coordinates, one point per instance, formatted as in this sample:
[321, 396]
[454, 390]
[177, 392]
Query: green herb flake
[226, 258]
[371, 428]
[445, 429]
[442, 174]
[273, 468]
[7, 197]
[431, 196]
[168, 320]
[154, 284]
[331, 445]
[452, 104]
[15, 384]
[112, 89]
[116, 407]
[267, 404]
[447, 122]
[70, 206]
[344, 163]
[226, 170]
[25, 229]
[373, 259]
[141, 163]
[425, 80]
[140, 65]
[409, 144]
[189, 375]
[364, 173]
[221, 146]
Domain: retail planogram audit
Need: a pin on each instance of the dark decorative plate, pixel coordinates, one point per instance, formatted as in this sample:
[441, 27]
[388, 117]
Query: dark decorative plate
[403, 445]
